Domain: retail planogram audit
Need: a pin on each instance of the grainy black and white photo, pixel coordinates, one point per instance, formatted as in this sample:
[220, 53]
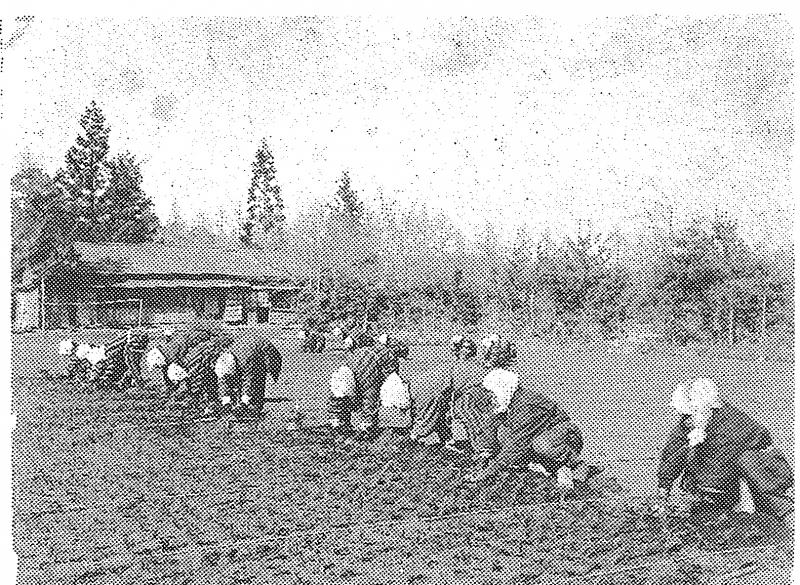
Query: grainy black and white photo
[401, 301]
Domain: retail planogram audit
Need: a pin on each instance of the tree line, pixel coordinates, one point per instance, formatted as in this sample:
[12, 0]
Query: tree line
[413, 269]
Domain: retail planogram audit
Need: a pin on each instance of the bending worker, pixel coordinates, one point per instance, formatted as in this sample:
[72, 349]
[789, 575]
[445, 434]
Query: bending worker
[541, 434]
[356, 386]
[244, 368]
[722, 457]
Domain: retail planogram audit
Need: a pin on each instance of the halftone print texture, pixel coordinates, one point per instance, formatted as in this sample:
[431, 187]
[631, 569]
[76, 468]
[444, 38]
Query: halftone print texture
[364, 300]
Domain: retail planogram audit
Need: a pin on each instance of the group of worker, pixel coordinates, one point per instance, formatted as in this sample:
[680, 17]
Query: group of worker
[475, 403]
[716, 453]
[221, 371]
[103, 367]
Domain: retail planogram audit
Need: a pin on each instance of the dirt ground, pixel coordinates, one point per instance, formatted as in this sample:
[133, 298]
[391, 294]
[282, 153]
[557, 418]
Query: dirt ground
[110, 489]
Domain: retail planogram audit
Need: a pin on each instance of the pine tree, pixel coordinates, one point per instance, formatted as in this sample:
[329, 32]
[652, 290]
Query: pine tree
[126, 211]
[91, 199]
[105, 197]
[264, 218]
[346, 200]
[85, 173]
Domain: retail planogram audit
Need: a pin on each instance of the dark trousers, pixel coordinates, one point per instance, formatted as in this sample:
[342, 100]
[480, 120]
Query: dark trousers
[431, 416]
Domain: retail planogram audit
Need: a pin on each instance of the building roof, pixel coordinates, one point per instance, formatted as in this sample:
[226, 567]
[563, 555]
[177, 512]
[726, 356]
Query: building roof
[155, 260]
[180, 283]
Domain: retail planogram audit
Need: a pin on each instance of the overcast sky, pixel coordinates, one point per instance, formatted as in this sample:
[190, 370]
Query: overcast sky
[537, 122]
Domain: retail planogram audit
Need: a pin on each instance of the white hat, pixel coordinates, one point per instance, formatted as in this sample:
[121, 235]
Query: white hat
[301, 335]
[96, 355]
[65, 347]
[458, 338]
[337, 332]
[349, 342]
[82, 352]
[704, 395]
[155, 359]
[680, 401]
[383, 339]
[168, 332]
[176, 373]
[225, 365]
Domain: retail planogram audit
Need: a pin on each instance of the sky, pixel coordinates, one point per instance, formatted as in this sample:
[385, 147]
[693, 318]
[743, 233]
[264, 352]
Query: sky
[536, 123]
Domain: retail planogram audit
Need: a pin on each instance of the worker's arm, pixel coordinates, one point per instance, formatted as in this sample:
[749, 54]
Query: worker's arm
[674, 457]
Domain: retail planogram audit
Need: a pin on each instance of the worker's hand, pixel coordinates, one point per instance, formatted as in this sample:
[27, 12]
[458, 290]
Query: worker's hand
[246, 399]
[226, 400]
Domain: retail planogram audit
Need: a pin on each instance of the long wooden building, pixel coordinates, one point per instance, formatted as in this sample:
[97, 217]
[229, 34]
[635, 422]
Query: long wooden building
[154, 284]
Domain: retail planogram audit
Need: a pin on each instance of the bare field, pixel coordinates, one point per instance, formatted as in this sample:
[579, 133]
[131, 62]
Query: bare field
[111, 489]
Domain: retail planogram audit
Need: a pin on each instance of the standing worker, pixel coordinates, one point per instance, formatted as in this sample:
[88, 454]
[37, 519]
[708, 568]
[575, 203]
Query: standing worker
[133, 353]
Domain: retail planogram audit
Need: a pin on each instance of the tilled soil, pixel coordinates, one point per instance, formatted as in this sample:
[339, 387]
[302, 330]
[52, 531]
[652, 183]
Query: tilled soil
[122, 494]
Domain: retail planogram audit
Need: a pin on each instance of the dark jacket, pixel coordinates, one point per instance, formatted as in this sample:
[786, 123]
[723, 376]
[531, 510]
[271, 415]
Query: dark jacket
[255, 354]
[175, 350]
[713, 463]
[466, 375]
[533, 411]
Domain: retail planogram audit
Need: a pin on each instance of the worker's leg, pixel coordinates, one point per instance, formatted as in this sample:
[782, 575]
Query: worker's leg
[429, 415]
[558, 446]
[340, 411]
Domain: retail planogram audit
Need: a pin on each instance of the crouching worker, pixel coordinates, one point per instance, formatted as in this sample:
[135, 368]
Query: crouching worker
[97, 368]
[201, 379]
[722, 458]
[73, 367]
[434, 420]
[243, 370]
[119, 363]
[541, 435]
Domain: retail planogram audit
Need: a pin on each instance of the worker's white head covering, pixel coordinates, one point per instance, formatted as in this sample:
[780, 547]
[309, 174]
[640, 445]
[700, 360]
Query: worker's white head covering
[349, 342]
[704, 395]
[503, 385]
[82, 352]
[65, 347]
[155, 359]
[701, 398]
[225, 365]
[176, 373]
[490, 340]
[337, 332]
[383, 339]
[680, 400]
[301, 335]
[343, 382]
[96, 355]
[168, 332]
[395, 393]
